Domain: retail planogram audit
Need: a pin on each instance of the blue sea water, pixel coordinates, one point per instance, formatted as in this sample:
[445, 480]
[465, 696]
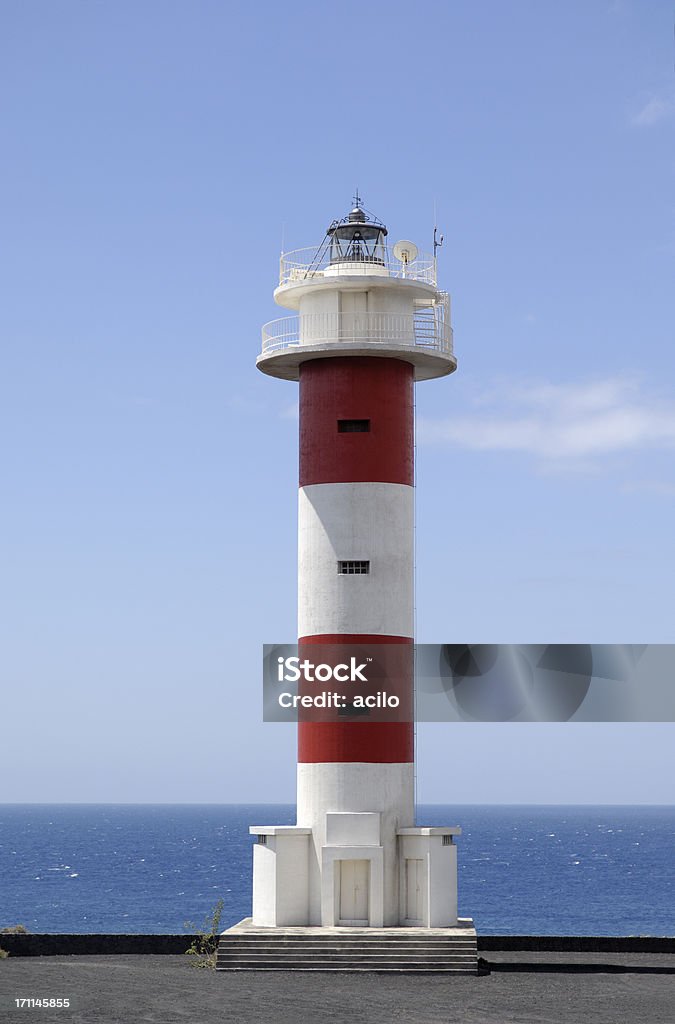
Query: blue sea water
[150, 868]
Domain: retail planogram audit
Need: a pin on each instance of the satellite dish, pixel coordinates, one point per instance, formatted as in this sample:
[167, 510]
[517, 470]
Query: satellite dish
[404, 251]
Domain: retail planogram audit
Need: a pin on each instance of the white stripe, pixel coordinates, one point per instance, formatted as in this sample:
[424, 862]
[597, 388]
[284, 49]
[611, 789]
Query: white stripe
[345, 786]
[365, 521]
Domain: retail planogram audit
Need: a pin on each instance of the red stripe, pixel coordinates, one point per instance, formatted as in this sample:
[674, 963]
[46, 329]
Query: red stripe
[356, 388]
[371, 742]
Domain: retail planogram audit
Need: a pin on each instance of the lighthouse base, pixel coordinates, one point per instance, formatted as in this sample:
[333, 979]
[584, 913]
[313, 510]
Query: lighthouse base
[246, 947]
[352, 877]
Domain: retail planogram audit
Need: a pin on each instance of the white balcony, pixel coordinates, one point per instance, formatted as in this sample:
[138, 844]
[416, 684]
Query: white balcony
[303, 265]
[426, 329]
[423, 338]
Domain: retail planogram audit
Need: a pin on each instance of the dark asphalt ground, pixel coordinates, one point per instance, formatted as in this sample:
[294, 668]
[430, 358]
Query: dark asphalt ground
[546, 988]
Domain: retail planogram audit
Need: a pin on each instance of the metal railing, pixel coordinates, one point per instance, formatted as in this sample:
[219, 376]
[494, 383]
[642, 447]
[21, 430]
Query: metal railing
[307, 264]
[427, 328]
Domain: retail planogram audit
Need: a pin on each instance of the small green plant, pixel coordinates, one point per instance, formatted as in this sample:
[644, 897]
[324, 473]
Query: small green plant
[205, 943]
[3, 954]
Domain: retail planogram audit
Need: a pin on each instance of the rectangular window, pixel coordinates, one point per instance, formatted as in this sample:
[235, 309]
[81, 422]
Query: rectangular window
[447, 840]
[262, 840]
[353, 426]
[353, 568]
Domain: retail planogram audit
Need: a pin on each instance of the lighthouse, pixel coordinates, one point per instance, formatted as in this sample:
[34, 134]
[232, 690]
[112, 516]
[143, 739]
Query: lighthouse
[367, 322]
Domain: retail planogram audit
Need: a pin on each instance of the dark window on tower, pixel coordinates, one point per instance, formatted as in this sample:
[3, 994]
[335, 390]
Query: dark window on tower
[353, 426]
[353, 568]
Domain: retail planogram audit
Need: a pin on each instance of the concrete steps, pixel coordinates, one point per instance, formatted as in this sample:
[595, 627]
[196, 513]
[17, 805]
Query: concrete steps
[450, 950]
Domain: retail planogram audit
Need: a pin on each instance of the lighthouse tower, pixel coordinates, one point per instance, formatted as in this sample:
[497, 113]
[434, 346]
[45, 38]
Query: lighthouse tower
[367, 323]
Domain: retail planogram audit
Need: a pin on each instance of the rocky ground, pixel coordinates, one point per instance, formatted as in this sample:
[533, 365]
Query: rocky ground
[546, 988]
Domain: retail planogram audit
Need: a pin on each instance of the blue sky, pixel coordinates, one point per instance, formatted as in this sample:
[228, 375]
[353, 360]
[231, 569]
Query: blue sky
[154, 155]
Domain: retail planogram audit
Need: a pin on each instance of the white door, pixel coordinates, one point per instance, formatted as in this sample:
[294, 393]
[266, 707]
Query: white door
[414, 879]
[354, 877]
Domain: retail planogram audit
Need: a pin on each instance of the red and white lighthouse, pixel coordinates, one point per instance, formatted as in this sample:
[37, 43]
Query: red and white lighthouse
[368, 324]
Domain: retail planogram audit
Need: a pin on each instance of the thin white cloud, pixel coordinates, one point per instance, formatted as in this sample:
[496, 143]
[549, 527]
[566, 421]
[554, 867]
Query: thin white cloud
[659, 487]
[244, 404]
[574, 423]
[656, 108]
[290, 412]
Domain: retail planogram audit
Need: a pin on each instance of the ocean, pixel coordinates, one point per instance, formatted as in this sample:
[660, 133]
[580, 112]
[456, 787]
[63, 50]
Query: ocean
[555, 870]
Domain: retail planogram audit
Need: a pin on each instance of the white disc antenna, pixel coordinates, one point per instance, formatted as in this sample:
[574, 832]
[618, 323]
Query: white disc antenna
[404, 251]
